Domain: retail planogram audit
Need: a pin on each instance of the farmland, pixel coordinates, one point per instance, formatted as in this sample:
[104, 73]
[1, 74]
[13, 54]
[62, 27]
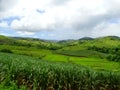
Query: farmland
[35, 64]
[42, 75]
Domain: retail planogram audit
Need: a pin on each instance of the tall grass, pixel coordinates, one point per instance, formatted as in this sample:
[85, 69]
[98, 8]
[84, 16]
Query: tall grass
[38, 74]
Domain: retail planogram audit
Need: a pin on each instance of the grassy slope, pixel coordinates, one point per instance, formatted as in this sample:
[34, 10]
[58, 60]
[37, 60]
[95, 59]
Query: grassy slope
[90, 58]
[28, 42]
[94, 63]
[25, 50]
[99, 42]
[14, 66]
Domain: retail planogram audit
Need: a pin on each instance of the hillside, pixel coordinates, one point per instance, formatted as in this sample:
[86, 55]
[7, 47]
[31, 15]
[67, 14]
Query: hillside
[28, 42]
[84, 64]
[80, 44]
[106, 47]
[108, 41]
[102, 47]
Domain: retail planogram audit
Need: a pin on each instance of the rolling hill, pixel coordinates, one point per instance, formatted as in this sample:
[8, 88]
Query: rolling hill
[86, 63]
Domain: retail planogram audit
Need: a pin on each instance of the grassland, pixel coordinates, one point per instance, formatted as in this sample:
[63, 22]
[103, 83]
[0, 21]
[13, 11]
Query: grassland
[89, 59]
[68, 65]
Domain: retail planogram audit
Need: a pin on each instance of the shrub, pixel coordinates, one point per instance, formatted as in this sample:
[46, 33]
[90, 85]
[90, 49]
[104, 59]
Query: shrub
[114, 58]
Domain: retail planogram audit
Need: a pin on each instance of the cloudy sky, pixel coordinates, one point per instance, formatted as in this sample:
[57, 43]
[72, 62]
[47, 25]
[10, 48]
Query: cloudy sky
[59, 19]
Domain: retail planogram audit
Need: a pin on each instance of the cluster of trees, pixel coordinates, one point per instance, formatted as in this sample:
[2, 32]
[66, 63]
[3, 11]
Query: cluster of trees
[114, 50]
[113, 53]
[114, 58]
[49, 46]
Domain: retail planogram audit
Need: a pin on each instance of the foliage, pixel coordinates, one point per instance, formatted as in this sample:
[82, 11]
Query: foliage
[29, 42]
[114, 58]
[114, 52]
[43, 75]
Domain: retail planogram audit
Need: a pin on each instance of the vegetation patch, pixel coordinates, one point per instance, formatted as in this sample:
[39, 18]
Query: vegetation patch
[82, 53]
[6, 50]
[38, 74]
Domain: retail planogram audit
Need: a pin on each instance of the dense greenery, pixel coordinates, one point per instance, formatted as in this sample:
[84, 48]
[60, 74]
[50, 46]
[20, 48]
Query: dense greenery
[29, 42]
[43, 75]
[61, 65]
[6, 50]
[82, 53]
[114, 52]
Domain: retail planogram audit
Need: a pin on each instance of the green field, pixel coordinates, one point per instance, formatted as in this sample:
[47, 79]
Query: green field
[35, 64]
[34, 73]
[87, 58]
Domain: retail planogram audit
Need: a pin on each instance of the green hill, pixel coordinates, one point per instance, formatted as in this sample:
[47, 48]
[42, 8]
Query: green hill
[108, 41]
[83, 64]
[103, 47]
[73, 47]
[28, 42]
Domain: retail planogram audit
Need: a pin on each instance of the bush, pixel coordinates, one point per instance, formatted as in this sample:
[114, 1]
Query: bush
[6, 50]
[114, 58]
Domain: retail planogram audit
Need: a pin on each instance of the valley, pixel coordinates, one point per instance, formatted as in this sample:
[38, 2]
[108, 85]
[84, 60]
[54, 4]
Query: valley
[89, 63]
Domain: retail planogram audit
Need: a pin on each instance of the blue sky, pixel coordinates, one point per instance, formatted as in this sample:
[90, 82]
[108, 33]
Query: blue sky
[59, 19]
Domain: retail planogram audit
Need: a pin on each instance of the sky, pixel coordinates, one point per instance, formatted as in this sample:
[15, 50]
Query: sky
[59, 19]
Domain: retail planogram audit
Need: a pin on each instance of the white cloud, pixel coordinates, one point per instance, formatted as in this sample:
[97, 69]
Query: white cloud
[5, 5]
[24, 33]
[3, 24]
[51, 35]
[106, 30]
[85, 16]
[56, 16]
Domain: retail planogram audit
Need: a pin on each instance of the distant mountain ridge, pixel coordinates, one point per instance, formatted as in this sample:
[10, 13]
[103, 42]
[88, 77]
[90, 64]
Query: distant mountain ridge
[86, 38]
[40, 42]
[28, 42]
[71, 44]
[110, 37]
[83, 38]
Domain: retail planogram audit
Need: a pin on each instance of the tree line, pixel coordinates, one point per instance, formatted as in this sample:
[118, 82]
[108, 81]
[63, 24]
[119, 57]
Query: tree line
[113, 52]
